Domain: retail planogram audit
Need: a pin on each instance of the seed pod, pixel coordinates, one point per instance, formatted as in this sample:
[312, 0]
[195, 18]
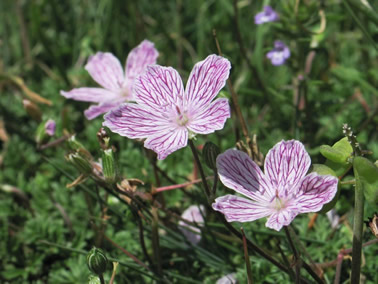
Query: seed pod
[97, 261]
[210, 152]
[80, 163]
[73, 144]
[108, 165]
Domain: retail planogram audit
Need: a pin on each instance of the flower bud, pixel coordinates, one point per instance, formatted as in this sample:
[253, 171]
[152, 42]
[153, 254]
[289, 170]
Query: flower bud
[73, 144]
[108, 165]
[80, 163]
[210, 152]
[94, 279]
[50, 127]
[97, 261]
[44, 130]
[32, 110]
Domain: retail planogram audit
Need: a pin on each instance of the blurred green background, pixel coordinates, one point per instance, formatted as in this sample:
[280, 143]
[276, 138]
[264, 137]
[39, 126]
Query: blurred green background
[330, 79]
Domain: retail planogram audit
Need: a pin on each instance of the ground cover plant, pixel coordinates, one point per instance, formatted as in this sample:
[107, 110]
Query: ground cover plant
[188, 141]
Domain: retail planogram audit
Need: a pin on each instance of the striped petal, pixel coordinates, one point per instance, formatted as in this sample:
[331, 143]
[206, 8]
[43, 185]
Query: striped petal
[286, 164]
[95, 110]
[139, 58]
[281, 218]
[237, 171]
[239, 209]
[135, 121]
[167, 141]
[159, 87]
[315, 191]
[95, 95]
[207, 78]
[211, 118]
[106, 70]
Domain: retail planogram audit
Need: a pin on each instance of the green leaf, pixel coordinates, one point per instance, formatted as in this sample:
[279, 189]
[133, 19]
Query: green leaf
[339, 152]
[367, 174]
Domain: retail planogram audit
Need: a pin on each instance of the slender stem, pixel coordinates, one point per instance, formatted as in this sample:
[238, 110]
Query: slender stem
[102, 280]
[246, 258]
[215, 183]
[296, 256]
[141, 239]
[251, 245]
[234, 96]
[200, 169]
[155, 239]
[357, 229]
[284, 258]
[127, 253]
[340, 257]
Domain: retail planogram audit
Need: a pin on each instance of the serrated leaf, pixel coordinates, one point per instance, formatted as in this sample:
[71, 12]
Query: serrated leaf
[367, 174]
[339, 152]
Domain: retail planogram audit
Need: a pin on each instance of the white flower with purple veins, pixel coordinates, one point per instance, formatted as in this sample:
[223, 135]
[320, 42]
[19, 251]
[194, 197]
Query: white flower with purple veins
[117, 83]
[192, 214]
[281, 193]
[166, 115]
[279, 53]
[50, 127]
[268, 15]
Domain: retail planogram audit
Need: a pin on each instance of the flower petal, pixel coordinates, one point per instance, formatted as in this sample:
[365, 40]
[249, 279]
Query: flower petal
[95, 95]
[282, 218]
[138, 59]
[135, 121]
[315, 191]
[95, 110]
[207, 78]
[237, 171]
[159, 87]
[239, 209]
[286, 164]
[106, 70]
[167, 141]
[211, 118]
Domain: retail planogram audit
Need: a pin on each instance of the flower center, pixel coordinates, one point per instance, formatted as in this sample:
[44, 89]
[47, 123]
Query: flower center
[278, 203]
[182, 118]
[124, 92]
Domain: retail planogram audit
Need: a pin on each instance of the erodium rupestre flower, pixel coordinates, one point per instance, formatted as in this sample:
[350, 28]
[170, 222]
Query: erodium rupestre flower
[117, 83]
[166, 115]
[281, 193]
[268, 15]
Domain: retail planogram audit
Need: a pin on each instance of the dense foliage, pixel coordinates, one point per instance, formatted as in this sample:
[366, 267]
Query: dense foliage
[47, 228]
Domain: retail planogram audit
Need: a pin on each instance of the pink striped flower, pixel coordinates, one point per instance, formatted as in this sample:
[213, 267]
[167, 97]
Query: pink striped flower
[281, 193]
[117, 84]
[166, 115]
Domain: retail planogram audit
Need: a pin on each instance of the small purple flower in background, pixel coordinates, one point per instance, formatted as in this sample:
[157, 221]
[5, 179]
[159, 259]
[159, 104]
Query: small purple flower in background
[268, 15]
[50, 126]
[283, 192]
[192, 214]
[117, 84]
[167, 115]
[279, 53]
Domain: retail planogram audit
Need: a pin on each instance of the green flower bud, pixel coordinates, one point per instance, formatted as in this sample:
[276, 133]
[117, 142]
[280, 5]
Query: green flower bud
[97, 261]
[80, 163]
[108, 165]
[93, 280]
[73, 144]
[210, 152]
